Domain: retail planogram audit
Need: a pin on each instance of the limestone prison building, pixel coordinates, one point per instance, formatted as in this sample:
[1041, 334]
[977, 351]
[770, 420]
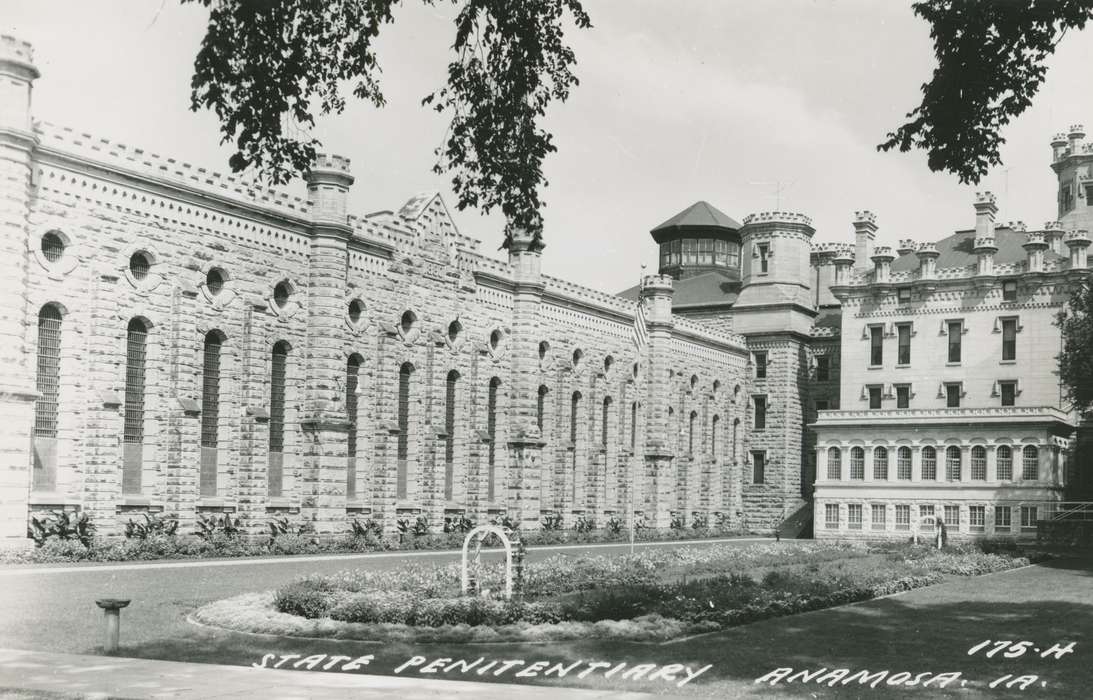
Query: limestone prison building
[179, 341]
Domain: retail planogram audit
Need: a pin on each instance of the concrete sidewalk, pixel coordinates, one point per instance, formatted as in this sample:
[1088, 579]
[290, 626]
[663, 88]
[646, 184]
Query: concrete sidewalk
[118, 677]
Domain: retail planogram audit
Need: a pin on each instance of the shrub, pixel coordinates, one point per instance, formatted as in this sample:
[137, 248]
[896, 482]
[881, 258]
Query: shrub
[458, 524]
[210, 527]
[62, 525]
[417, 527]
[368, 528]
[678, 522]
[614, 525]
[700, 521]
[306, 598]
[584, 523]
[154, 525]
[58, 550]
[552, 522]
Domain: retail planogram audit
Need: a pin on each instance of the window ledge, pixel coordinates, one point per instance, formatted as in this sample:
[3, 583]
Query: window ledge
[280, 502]
[1007, 362]
[952, 364]
[904, 366]
[875, 367]
[209, 502]
[51, 498]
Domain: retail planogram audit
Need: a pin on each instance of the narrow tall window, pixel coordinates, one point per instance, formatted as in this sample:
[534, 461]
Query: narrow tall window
[823, 368]
[1030, 463]
[714, 426]
[540, 407]
[929, 463]
[1004, 463]
[760, 412]
[876, 345]
[952, 463]
[133, 429]
[45, 408]
[857, 463]
[764, 253]
[574, 406]
[210, 411]
[1008, 392]
[760, 365]
[278, 366]
[903, 464]
[834, 463]
[952, 395]
[451, 386]
[735, 438]
[955, 330]
[903, 396]
[491, 430]
[352, 382]
[758, 467]
[1009, 339]
[691, 432]
[404, 374]
[880, 463]
[831, 516]
[604, 420]
[633, 426]
[875, 395]
[903, 333]
[979, 463]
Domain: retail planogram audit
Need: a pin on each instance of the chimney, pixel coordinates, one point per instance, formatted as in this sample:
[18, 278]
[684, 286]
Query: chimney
[865, 230]
[844, 262]
[985, 250]
[1078, 242]
[882, 264]
[1053, 234]
[1034, 248]
[1075, 137]
[1058, 146]
[927, 261]
[985, 209]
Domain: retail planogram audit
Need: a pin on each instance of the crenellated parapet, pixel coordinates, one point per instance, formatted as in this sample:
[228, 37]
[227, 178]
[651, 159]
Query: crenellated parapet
[906, 246]
[1078, 242]
[778, 217]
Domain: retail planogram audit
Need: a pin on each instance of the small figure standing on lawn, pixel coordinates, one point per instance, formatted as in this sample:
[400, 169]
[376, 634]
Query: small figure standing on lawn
[942, 535]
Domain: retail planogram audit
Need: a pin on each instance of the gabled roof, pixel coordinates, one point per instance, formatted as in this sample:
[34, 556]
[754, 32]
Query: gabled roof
[698, 215]
[958, 251]
[716, 287]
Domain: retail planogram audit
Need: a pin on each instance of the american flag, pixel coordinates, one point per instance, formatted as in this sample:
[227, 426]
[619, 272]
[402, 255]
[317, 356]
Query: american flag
[641, 333]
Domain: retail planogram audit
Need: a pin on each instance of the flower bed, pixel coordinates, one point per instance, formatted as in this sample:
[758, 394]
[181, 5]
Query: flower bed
[649, 596]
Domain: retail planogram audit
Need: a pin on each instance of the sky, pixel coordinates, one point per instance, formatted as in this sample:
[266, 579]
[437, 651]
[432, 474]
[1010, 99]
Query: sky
[751, 106]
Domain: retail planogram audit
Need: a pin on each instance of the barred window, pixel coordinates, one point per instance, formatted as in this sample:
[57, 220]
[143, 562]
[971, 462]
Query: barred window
[45, 408]
[352, 382]
[139, 264]
[1030, 463]
[880, 463]
[210, 411]
[403, 447]
[952, 463]
[929, 463]
[133, 424]
[451, 386]
[491, 430]
[691, 432]
[903, 517]
[714, 422]
[214, 281]
[278, 364]
[834, 463]
[857, 463]
[1004, 463]
[540, 407]
[831, 516]
[1002, 518]
[979, 463]
[903, 463]
[574, 406]
[53, 246]
[854, 516]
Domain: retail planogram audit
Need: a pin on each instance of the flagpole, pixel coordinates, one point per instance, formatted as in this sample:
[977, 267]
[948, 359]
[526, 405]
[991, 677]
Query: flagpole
[633, 454]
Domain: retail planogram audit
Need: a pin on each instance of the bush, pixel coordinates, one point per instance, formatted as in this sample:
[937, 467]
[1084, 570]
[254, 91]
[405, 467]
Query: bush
[210, 527]
[154, 525]
[61, 525]
[306, 598]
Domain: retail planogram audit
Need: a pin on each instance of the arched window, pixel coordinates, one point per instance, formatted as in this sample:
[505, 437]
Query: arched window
[46, 407]
[979, 463]
[834, 463]
[1030, 463]
[903, 463]
[491, 430]
[633, 426]
[714, 426]
[352, 382]
[540, 407]
[929, 463]
[278, 366]
[691, 432]
[574, 406]
[210, 411]
[857, 463]
[1004, 463]
[952, 463]
[603, 422]
[735, 439]
[404, 374]
[451, 385]
[880, 463]
[133, 424]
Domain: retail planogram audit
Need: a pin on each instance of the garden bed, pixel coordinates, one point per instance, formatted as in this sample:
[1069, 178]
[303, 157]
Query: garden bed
[653, 595]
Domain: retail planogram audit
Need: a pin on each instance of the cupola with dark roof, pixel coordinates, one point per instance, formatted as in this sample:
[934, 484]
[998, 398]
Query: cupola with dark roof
[699, 239]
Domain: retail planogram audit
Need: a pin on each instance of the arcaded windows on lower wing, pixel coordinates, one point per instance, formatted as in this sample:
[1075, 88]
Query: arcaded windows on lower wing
[451, 389]
[604, 420]
[857, 463]
[834, 463]
[1004, 463]
[136, 351]
[633, 425]
[952, 463]
[929, 463]
[278, 368]
[979, 463]
[1030, 463]
[692, 421]
[903, 463]
[880, 463]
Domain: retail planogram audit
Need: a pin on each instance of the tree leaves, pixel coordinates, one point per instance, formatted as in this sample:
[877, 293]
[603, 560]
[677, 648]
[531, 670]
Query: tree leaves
[991, 62]
[266, 64]
[1076, 358]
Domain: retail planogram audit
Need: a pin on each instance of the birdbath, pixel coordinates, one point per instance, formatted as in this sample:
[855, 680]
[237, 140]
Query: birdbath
[112, 612]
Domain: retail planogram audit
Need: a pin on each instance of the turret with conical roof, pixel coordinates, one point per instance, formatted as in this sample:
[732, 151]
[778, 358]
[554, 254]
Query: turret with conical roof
[698, 239]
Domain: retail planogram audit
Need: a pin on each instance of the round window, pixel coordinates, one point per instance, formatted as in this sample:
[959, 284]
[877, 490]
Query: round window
[356, 309]
[454, 329]
[214, 281]
[407, 323]
[281, 293]
[495, 339]
[139, 264]
[544, 348]
[53, 246]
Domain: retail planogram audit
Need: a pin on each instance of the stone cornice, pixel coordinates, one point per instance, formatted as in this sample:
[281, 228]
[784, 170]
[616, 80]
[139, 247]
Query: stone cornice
[906, 417]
